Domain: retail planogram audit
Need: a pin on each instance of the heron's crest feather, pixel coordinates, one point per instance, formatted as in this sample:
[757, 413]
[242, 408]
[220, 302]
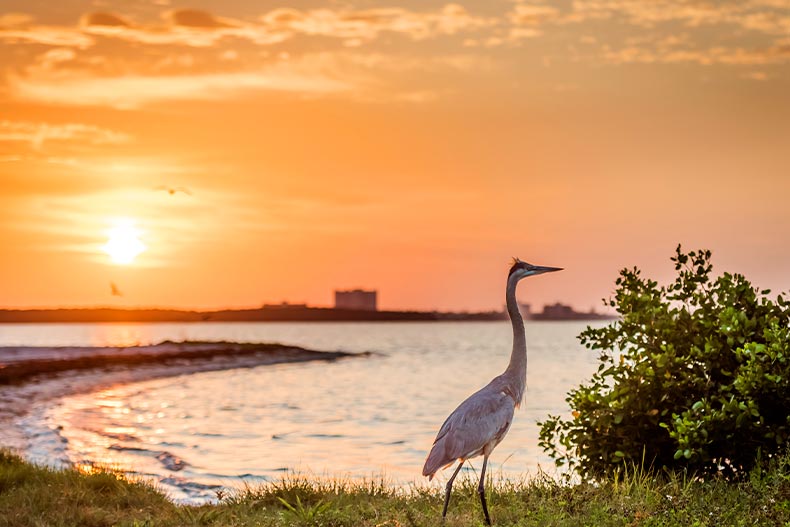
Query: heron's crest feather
[515, 263]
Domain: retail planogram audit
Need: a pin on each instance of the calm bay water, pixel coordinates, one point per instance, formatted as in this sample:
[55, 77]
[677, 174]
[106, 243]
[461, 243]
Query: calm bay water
[355, 418]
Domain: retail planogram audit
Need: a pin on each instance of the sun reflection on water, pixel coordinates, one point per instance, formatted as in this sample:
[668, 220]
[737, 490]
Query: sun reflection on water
[121, 335]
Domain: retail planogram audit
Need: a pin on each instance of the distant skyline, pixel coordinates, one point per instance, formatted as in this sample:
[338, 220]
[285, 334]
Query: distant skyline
[207, 155]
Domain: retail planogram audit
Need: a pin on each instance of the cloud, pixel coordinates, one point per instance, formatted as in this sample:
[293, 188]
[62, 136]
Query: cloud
[755, 76]
[766, 22]
[466, 62]
[531, 15]
[369, 24]
[746, 32]
[104, 19]
[194, 18]
[55, 56]
[526, 21]
[198, 28]
[186, 27]
[342, 73]
[88, 67]
[134, 91]
[648, 13]
[765, 16]
[19, 28]
[46, 35]
[37, 133]
[715, 55]
[15, 19]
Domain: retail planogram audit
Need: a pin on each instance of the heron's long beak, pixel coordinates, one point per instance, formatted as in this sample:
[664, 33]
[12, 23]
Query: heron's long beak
[540, 269]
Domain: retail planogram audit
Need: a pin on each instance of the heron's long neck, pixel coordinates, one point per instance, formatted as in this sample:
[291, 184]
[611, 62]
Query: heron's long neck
[516, 371]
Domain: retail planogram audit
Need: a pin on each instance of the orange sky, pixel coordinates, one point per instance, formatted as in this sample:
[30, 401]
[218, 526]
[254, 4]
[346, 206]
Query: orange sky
[412, 147]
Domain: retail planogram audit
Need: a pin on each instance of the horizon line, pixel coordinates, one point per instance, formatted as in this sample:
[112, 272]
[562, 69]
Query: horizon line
[272, 307]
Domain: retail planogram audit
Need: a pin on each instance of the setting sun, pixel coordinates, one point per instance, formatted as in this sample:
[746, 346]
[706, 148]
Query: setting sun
[123, 243]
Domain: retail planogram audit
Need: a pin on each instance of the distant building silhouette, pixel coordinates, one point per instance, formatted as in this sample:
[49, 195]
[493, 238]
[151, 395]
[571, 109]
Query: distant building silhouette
[558, 311]
[565, 312]
[357, 299]
[285, 305]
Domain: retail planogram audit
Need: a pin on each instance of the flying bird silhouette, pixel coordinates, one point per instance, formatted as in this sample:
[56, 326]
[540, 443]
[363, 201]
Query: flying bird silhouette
[480, 423]
[114, 290]
[173, 190]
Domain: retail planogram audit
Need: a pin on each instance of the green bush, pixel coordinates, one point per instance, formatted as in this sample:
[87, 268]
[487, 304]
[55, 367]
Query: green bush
[695, 375]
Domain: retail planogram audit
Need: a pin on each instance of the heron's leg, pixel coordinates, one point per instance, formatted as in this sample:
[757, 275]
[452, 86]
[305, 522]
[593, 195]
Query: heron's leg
[481, 489]
[449, 488]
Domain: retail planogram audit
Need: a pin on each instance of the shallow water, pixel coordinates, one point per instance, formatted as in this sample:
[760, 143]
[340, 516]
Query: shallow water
[354, 418]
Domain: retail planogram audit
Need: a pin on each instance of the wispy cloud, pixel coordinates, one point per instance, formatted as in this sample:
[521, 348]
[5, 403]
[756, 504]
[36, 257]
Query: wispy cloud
[47, 35]
[533, 14]
[347, 73]
[198, 28]
[20, 28]
[134, 91]
[185, 27]
[767, 16]
[744, 33]
[715, 55]
[38, 133]
[369, 24]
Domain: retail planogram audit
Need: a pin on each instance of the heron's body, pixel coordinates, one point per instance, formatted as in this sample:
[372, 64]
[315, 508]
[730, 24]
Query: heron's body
[477, 426]
[480, 423]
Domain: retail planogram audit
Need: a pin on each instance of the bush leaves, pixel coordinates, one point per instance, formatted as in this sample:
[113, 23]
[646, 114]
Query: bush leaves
[695, 375]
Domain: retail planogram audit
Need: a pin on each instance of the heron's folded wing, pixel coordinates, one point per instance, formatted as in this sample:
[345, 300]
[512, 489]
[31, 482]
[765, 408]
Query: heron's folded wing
[482, 418]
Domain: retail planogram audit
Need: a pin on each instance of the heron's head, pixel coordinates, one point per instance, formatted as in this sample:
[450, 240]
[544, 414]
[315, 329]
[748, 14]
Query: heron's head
[521, 269]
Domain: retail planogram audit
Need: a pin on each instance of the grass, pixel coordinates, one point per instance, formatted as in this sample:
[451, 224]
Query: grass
[36, 496]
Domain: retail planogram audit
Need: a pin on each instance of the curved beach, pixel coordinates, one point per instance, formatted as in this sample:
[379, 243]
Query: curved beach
[33, 375]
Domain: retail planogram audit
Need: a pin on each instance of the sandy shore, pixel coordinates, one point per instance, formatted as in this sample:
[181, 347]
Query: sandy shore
[30, 377]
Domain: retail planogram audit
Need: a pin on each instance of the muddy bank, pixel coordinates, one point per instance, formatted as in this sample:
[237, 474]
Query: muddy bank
[20, 364]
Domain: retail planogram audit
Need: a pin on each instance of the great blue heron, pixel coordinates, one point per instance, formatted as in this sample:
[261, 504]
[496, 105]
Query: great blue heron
[480, 422]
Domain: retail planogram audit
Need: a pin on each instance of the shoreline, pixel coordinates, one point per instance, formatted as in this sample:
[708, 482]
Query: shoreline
[25, 385]
[279, 313]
